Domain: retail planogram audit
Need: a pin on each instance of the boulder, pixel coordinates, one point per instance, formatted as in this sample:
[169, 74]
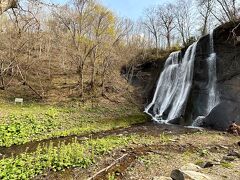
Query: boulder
[234, 154]
[189, 171]
[228, 158]
[207, 164]
[191, 166]
[188, 175]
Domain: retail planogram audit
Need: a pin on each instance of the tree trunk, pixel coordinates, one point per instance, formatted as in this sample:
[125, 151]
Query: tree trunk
[81, 82]
[168, 40]
[204, 30]
[2, 83]
[156, 41]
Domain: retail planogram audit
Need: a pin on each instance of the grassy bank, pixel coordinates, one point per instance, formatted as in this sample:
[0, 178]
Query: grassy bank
[64, 156]
[22, 124]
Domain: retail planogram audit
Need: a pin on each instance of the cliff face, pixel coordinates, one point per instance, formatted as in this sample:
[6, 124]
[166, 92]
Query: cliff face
[144, 77]
[227, 49]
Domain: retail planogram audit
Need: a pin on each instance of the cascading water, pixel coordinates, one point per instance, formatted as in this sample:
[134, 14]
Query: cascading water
[173, 87]
[213, 98]
[213, 95]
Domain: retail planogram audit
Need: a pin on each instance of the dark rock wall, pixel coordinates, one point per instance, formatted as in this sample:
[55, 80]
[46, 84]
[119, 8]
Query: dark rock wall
[228, 80]
[145, 77]
[228, 75]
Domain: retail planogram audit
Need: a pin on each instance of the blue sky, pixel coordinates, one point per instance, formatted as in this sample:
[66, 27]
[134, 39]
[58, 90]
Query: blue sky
[126, 8]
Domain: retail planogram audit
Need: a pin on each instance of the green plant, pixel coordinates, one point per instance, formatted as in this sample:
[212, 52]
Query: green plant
[22, 128]
[203, 152]
[164, 138]
[146, 160]
[63, 156]
[31, 122]
[111, 176]
[199, 162]
[226, 164]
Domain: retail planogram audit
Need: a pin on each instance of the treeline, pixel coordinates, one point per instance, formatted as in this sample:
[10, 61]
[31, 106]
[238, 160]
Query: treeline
[183, 21]
[78, 49]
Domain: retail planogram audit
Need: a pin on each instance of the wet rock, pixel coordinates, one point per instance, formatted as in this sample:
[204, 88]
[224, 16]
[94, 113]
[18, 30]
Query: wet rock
[161, 178]
[234, 154]
[207, 165]
[188, 175]
[228, 158]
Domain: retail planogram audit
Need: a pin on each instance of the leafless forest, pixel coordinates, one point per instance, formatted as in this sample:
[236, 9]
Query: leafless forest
[76, 50]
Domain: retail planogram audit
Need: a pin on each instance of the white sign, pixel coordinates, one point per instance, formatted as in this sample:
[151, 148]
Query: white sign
[19, 100]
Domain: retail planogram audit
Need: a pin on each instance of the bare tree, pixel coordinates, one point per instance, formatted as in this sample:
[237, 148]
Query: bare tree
[152, 24]
[166, 17]
[205, 8]
[228, 9]
[222, 10]
[77, 24]
[183, 18]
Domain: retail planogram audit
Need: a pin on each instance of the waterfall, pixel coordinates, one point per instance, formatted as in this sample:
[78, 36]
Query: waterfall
[213, 95]
[175, 83]
[213, 98]
[173, 87]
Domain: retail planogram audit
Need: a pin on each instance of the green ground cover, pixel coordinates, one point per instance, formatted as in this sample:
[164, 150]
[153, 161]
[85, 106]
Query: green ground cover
[63, 156]
[19, 125]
